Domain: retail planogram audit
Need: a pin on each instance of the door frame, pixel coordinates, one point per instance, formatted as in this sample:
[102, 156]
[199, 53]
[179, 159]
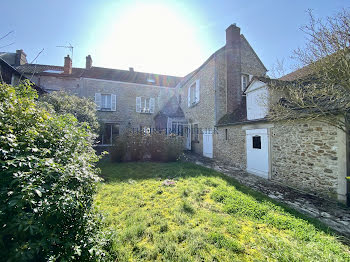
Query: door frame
[269, 151]
[208, 133]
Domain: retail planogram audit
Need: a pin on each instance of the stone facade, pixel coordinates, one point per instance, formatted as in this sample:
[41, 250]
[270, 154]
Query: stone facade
[202, 113]
[125, 115]
[310, 156]
[231, 148]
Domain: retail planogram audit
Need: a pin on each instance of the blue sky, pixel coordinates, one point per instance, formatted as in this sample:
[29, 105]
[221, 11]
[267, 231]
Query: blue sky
[169, 37]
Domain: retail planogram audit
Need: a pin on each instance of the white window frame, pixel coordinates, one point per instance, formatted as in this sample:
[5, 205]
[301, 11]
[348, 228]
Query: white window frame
[244, 81]
[146, 105]
[193, 93]
[101, 100]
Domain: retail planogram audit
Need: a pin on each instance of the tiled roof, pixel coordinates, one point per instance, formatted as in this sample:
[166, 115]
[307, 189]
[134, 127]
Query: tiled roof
[172, 108]
[132, 77]
[104, 74]
[297, 74]
[40, 69]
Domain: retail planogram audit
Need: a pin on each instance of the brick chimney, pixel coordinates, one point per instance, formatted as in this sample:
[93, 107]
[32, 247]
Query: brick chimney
[233, 67]
[21, 58]
[88, 62]
[67, 69]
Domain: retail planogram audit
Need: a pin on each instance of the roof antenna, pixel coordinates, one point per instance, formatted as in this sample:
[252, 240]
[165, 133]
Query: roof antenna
[70, 47]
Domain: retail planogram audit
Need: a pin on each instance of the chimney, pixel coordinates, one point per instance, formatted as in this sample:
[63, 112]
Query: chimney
[67, 69]
[233, 67]
[88, 62]
[131, 69]
[21, 58]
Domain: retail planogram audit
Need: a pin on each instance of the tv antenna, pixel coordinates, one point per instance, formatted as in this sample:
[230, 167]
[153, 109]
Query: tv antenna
[70, 47]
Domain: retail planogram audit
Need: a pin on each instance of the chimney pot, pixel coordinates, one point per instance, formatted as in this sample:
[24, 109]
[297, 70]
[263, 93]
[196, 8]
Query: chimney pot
[21, 58]
[67, 69]
[131, 69]
[88, 62]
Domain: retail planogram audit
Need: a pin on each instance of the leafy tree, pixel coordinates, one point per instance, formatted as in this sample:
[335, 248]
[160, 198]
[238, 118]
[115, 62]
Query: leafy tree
[322, 89]
[82, 108]
[47, 183]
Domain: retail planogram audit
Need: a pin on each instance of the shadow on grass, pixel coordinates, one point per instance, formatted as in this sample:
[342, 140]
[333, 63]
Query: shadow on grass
[122, 172]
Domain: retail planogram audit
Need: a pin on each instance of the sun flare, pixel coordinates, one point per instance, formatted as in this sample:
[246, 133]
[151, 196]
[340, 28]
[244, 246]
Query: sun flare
[150, 36]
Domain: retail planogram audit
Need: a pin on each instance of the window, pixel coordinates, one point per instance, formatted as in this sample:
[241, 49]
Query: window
[195, 133]
[106, 102]
[226, 135]
[245, 80]
[108, 134]
[193, 94]
[257, 142]
[177, 128]
[145, 105]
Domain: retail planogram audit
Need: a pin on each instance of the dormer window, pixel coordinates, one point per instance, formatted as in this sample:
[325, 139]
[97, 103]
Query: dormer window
[245, 81]
[151, 80]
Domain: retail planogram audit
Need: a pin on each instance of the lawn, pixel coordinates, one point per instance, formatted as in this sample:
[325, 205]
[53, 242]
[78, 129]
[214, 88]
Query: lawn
[202, 215]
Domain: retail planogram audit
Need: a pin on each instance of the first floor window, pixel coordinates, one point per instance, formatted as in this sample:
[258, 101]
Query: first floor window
[106, 101]
[145, 104]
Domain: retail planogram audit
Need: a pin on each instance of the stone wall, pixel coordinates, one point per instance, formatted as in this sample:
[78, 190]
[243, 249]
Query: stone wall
[250, 62]
[233, 150]
[310, 156]
[203, 113]
[125, 114]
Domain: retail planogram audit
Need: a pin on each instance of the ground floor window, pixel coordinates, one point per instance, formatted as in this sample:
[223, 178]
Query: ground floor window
[109, 131]
[195, 133]
[177, 128]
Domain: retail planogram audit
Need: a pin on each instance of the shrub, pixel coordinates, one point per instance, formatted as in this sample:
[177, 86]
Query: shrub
[156, 146]
[47, 183]
[82, 108]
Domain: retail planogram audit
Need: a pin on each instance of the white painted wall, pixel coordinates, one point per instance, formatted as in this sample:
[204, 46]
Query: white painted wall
[257, 98]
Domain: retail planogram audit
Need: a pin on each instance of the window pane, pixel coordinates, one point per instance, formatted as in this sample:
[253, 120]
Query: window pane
[257, 142]
[107, 134]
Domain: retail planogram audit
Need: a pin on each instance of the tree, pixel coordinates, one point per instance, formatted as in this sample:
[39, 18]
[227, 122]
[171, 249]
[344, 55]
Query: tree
[82, 108]
[321, 89]
[47, 183]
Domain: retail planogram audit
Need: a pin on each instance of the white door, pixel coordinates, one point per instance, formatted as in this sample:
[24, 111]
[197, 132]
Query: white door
[208, 143]
[258, 152]
[188, 136]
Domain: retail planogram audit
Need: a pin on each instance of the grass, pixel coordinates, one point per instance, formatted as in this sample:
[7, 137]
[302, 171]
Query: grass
[205, 216]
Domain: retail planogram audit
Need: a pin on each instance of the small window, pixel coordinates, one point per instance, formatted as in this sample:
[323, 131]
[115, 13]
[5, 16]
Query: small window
[245, 80]
[108, 133]
[257, 142]
[226, 134]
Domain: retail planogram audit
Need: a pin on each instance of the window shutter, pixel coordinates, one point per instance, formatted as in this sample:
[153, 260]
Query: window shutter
[98, 101]
[151, 105]
[189, 96]
[138, 104]
[197, 90]
[114, 103]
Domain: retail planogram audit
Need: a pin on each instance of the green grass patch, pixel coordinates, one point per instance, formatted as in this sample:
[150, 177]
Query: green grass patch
[205, 216]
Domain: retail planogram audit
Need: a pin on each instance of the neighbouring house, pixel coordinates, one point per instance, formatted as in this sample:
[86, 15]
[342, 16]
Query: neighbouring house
[9, 74]
[221, 108]
[124, 98]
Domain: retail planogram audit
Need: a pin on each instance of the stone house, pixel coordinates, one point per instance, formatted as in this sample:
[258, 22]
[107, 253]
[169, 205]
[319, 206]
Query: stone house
[307, 155]
[124, 98]
[218, 108]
